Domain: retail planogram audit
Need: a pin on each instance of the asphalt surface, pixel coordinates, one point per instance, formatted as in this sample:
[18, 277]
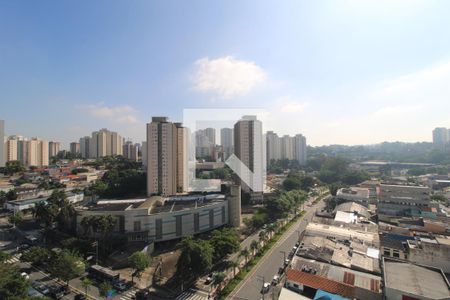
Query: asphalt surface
[250, 288]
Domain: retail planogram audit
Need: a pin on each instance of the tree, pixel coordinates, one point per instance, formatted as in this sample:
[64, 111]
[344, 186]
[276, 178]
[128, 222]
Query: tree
[12, 167]
[224, 242]
[245, 253]
[12, 284]
[86, 283]
[139, 261]
[4, 256]
[218, 278]
[36, 255]
[105, 288]
[254, 246]
[234, 264]
[11, 195]
[45, 214]
[67, 265]
[15, 219]
[262, 237]
[196, 257]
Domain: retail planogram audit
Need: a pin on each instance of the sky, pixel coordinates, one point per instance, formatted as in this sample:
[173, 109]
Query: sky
[339, 72]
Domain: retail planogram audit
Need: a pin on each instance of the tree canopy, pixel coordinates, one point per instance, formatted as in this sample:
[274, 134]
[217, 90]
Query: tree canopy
[196, 257]
[224, 242]
[139, 261]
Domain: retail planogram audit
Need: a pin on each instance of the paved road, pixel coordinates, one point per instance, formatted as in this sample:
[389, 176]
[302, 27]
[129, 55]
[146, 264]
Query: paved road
[268, 266]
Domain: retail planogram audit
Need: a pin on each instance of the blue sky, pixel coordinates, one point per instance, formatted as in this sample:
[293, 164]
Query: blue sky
[347, 72]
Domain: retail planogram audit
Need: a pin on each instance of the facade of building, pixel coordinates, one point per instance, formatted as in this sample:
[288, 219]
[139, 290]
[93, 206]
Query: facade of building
[131, 151]
[166, 157]
[84, 147]
[286, 147]
[250, 147]
[205, 143]
[75, 148]
[144, 153]
[441, 137]
[53, 148]
[37, 152]
[11, 150]
[2, 144]
[227, 142]
[105, 143]
[165, 218]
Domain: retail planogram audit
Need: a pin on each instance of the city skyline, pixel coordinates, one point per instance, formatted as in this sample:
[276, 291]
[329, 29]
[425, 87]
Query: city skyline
[335, 82]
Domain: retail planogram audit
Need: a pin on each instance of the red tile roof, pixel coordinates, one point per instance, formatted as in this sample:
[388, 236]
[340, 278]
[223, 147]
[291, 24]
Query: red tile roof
[319, 282]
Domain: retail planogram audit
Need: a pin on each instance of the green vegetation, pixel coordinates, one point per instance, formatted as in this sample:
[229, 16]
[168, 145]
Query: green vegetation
[13, 285]
[278, 166]
[124, 178]
[103, 224]
[104, 288]
[67, 265]
[86, 283]
[224, 242]
[4, 256]
[255, 259]
[224, 173]
[12, 167]
[36, 255]
[298, 181]
[439, 198]
[196, 257]
[139, 261]
[15, 219]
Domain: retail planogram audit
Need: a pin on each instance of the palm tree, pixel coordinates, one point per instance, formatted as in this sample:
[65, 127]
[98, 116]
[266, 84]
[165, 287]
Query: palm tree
[245, 253]
[106, 225]
[254, 246]
[86, 283]
[44, 213]
[234, 265]
[262, 237]
[66, 215]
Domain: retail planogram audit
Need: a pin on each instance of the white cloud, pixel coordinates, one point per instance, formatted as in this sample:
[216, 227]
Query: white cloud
[124, 114]
[227, 77]
[289, 104]
[397, 111]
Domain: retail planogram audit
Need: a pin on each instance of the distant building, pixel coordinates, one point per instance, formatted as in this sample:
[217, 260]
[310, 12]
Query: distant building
[441, 137]
[165, 157]
[2, 143]
[105, 143]
[286, 147]
[37, 152]
[84, 146]
[75, 148]
[144, 153]
[227, 142]
[130, 151]
[205, 143]
[249, 147]
[53, 148]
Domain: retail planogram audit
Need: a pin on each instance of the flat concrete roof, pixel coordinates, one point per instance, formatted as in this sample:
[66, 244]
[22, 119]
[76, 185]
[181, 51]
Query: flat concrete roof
[416, 280]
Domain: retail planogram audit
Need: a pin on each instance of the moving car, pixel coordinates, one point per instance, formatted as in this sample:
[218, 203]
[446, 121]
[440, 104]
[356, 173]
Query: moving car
[265, 288]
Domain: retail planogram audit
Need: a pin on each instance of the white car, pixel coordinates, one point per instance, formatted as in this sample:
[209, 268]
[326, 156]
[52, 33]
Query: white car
[265, 288]
[25, 275]
[276, 280]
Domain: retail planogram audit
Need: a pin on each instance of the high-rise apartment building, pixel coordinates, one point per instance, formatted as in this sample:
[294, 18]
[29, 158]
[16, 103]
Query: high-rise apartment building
[2, 144]
[130, 151]
[53, 148]
[11, 149]
[441, 137]
[144, 153]
[37, 152]
[286, 147]
[273, 150]
[75, 148]
[249, 147]
[105, 143]
[227, 142]
[299, 149]
[84, 146]
[205, 143]
[165, 157]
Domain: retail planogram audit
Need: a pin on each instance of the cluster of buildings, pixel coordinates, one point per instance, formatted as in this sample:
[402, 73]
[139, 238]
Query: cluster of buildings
[286, 147]
[381, 241]
[441, 138]
[370, 247]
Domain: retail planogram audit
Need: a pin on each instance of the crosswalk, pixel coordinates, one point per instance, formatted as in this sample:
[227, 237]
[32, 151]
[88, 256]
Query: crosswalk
[128, 295]
[14, 259]
[193, 294]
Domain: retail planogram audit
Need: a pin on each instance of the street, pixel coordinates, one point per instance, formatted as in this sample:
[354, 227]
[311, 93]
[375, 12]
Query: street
[268, 266]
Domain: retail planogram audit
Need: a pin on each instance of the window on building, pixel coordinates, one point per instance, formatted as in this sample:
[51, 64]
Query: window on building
[178, 225]
[396, 253]
[137, 225]
[196, 222]
[387, 252]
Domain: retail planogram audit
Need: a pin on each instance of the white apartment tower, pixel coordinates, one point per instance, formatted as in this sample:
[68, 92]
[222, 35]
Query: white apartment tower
[441, 137]
[205, 141]
[105, 143]
[299, 149]
[273, 146]
[37, 152]
[166, 154]
[227, 142]
[249, 147]
[286, 147]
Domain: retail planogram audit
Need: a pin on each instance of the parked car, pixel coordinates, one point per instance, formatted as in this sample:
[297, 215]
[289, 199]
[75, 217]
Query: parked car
[276, 280]
[25, 275]
[265, 288]
[143, 294]
[209, 279]
[121, 285]
[40, 287]
[80, 297]
[58, 291]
